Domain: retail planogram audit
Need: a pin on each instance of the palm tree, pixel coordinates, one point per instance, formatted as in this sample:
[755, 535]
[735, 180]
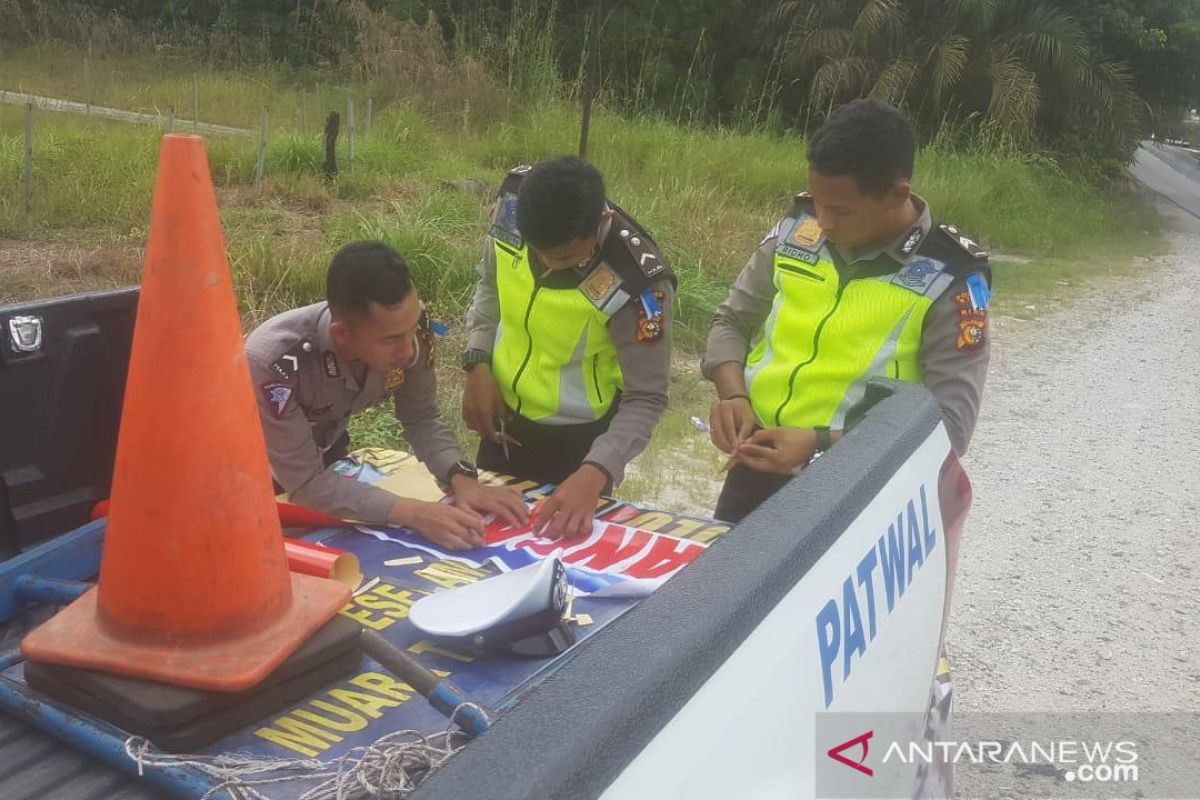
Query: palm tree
[1024, 66]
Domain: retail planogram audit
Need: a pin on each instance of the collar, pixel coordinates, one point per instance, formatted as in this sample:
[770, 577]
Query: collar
[903, 246]
[334, 366]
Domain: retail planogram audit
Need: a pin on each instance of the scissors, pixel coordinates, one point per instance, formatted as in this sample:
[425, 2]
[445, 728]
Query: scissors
[505, 439]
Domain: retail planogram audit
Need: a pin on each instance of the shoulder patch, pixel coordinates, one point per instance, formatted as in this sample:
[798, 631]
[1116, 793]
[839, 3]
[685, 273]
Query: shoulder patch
[919, 274]
[968, 244]
[972, 322]
[650, 316]
[979, 291]
[288, 365]
[425, 335]
[277, 396]
[504, 223]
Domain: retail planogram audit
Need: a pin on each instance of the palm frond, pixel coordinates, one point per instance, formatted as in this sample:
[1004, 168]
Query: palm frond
[839, 77]
[806, 51]
[880, 25]
[1049, 40]
[894, 81]
[945, 61]
[1015, 97]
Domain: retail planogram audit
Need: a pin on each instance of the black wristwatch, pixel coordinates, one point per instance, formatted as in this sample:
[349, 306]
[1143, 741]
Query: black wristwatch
[824, 440]
[470, 358]
[459, 468]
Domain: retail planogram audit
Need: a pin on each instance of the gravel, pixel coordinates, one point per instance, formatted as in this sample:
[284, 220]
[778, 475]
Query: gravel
[1078, 587]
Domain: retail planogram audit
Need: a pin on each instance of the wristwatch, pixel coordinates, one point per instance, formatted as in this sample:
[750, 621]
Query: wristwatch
[824, 442]
[472, 357]
[459, 468]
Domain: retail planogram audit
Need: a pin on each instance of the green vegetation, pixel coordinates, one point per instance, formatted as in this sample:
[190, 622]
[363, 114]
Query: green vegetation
[423, 184]
[423, 176]
[1081, 78]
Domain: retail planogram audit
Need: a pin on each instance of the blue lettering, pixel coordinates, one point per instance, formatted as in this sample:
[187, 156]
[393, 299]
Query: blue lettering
[898, 554]
[866, 568]
[828, 642]
[930, 533]
[916, 557]
[853, 635]
[891, 560]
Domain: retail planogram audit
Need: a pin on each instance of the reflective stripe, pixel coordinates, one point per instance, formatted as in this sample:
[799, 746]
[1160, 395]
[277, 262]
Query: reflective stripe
[878, 368]
[769, 351]
[573, 403]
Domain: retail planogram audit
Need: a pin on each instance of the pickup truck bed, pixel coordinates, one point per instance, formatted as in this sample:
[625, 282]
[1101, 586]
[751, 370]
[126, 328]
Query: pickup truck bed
[708, 686]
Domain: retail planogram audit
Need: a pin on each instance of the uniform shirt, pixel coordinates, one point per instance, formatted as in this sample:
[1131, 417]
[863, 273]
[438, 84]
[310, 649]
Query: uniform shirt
[645, 365]
[306, 395]
[954, 365]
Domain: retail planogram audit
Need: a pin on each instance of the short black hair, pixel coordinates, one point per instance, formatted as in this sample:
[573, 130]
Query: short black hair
[560, 200]
[867, 140]
[363, 273]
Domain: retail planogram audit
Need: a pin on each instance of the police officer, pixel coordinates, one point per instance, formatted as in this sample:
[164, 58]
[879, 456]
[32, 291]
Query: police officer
[856, 282]
[316, 366]
[568, 351]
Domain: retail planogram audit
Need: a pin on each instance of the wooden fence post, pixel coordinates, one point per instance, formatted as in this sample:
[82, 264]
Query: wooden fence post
[262, 151]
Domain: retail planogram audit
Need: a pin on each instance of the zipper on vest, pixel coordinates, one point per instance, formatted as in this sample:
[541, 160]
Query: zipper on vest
[842, 281]
[537, 285]
[596, 378]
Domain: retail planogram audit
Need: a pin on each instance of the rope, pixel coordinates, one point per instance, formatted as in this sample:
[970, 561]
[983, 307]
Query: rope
[392, 767]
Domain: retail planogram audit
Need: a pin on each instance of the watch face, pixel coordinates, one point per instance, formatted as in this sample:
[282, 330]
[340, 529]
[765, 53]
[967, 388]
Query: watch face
[464, 468]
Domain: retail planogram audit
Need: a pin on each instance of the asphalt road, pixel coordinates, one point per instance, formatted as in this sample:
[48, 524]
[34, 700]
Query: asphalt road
[1171, 172]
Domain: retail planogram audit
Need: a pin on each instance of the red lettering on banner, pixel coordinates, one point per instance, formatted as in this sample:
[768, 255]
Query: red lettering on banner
[609, 548]
[665, 556]
[499, 532]
[541, 547]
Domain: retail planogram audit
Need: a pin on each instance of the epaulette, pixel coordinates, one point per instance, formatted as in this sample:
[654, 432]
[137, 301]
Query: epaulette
[960, 253]
[643, 262]
[504, 221]
[288, 364]
[964, 242]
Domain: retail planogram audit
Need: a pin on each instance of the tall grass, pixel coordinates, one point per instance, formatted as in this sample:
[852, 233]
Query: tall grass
[421, 180]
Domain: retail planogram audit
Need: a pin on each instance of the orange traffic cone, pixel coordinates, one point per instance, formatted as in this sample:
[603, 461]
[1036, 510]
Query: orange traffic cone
[194, 587]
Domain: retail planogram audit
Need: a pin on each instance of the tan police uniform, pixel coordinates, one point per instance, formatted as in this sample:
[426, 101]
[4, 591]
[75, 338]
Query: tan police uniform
[307, 394]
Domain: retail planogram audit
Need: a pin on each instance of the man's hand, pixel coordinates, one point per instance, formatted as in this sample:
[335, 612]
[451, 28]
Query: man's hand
[730, 423]
[568, 512]
[503, 501]
[446, 526]
[482, 403]
[784, 451]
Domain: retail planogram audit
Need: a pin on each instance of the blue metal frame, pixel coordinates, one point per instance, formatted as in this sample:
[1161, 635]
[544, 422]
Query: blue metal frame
[97, 739]
[74, 556]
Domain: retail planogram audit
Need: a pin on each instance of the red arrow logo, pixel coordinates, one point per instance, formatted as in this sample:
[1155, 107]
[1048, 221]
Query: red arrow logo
[835, 752]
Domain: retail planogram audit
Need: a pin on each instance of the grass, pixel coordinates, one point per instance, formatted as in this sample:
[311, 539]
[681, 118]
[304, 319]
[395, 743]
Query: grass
[423, 176]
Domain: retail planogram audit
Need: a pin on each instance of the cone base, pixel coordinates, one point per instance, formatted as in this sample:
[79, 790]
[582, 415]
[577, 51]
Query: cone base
[75, 637]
